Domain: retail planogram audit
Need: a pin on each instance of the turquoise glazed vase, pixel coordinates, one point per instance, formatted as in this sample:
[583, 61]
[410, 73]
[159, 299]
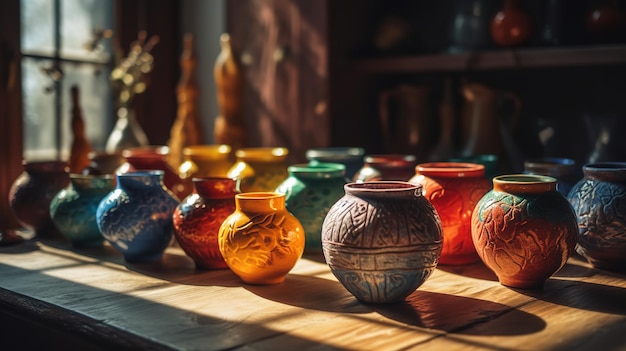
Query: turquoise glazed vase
[524, 230]
[197, 220]
[599, 200]
[136, 217]
[382, 240]
[310, 190]
[73, 209]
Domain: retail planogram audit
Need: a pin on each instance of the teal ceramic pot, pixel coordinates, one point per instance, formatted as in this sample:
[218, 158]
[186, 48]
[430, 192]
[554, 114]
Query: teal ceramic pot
[382, 240]
[351, 157]
[310, 190]
[73, 209]
[136, 217]
[524, 230]
[599, 200]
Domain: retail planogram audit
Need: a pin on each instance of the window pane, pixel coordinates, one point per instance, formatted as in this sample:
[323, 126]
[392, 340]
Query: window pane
[39, 120]
[79, 19]
[37, 25]
[95, 101]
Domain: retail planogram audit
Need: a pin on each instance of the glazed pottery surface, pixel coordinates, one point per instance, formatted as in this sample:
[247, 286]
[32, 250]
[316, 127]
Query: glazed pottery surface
[136, 217]
[197, 220]
[386, 167]
[351, 157]
[150, 158]
[73, 209]
[33, 190]
[260, 169]
[310, 191]
[563, 169]
[104, 163]
[599, 200]
[205, 161]
[382, 240]
[454, 189]
[524, 230]
[261, 241]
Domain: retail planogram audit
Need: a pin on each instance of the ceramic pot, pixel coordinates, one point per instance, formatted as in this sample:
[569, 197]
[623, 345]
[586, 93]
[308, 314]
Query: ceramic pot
[33, 190]
[599, 201]
[382, 240]
[488, 160]
[73, 209]
[310, 191]
[261, 241]
[511, 26]
[197, 220]
[259, 169]
[454, 189]
[212, 161]
[386, 167]
[563, 169]
[351, 157]
[150, 158]
[524, 229]
[136, 217]
[104, 163]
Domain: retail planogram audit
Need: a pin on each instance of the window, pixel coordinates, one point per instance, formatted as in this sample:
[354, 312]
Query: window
[63, 44]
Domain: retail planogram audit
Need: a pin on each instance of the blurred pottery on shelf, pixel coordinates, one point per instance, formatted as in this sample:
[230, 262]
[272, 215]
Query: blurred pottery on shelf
[386, 167]
[259, 169]
[205, 161]
[351, 157]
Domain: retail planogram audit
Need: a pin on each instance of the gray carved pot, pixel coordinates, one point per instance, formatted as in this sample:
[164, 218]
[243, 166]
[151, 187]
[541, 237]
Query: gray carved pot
[599, 200]
[382, 240]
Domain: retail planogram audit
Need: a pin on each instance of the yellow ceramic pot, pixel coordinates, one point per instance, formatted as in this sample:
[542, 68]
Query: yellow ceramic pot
[260, 168]
[206, 161]
[261, 241]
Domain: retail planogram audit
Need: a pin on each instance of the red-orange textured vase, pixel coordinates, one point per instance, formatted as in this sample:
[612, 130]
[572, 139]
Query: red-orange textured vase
[197, 220]
[524, 230]
[454, 188]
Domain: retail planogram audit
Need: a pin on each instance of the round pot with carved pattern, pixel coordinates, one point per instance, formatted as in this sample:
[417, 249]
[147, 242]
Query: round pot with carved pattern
[524, 230]
[382, 240]
[599, 200]
[261, 241]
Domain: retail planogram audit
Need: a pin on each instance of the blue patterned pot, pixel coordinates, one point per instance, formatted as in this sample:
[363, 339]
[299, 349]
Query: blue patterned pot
[73, 209]
[136, 217]
[310, 190]
[599, 200]
[382, 240]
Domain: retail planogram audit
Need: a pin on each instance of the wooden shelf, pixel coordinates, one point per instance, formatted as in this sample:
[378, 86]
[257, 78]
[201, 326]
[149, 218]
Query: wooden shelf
[494, 60]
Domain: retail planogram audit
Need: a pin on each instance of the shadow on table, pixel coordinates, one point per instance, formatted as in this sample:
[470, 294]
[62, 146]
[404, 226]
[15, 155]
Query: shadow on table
[582, 295]
[461, 315]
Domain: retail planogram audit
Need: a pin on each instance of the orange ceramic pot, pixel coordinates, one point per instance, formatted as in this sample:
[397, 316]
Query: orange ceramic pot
[454, 188]
[261, 241]
[524, 229]
[511, 26]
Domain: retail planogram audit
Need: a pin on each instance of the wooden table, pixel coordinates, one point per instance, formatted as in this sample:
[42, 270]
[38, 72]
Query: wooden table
[54, 296]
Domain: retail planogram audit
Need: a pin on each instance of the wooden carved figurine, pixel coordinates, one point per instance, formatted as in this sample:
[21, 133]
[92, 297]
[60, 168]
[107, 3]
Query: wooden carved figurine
[187, 128]
[81, 147]
[229, 126]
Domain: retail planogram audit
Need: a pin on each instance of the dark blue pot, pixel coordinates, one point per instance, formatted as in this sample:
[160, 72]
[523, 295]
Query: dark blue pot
[73, 209]
[599, 200]
[136, 217]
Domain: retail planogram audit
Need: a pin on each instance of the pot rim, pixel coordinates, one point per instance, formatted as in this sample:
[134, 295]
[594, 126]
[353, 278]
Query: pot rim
[524, 183]
[450, 169]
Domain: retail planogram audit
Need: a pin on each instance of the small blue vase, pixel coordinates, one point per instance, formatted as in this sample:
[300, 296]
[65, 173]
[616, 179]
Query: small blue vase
[73, 209]
[136, 217]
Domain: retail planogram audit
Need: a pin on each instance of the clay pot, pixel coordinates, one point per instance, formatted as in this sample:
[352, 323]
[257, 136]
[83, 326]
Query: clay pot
[511, 26]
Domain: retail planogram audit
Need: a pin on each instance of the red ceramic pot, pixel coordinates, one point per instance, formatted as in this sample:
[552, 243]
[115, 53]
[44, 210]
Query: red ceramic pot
[198, 218]
[511, 26]
[387, 167]
[146, 158]
[524, 229]
[454, 188]
[33, 190]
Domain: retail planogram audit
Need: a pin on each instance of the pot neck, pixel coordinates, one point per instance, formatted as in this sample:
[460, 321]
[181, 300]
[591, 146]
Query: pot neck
[384, 189]
[139, 180]
[606, 171]
[524, 184]
[259, 202]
